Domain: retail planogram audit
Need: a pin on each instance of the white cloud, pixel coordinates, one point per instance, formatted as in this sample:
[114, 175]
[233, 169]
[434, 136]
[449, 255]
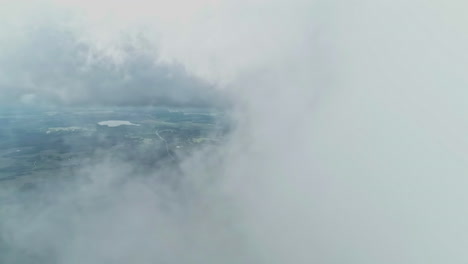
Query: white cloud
[350, 144]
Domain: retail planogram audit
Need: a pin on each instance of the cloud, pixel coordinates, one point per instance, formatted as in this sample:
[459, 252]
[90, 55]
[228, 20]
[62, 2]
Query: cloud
[349, 143]
[50, 64]
[106, 213]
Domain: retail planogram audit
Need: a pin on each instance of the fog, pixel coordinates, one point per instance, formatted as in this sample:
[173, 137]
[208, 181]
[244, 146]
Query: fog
[349, 141]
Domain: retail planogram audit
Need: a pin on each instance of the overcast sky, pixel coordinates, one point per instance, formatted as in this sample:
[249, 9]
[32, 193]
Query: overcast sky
[53, 59]
[350, 144]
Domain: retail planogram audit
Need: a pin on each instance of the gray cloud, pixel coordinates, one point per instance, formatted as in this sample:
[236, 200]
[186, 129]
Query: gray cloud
[107, 214]
[52, 66]
[350, 142]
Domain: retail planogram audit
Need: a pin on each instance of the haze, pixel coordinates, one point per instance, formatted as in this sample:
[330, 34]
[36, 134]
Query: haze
[331, 131]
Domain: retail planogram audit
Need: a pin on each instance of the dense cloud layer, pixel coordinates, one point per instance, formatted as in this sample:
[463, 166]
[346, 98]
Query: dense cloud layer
[50, 64]
[350, 144]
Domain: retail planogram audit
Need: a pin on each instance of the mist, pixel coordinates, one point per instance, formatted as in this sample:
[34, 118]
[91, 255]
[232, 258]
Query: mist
[347, 140]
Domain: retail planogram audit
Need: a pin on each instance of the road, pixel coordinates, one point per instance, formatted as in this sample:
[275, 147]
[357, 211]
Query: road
[165, 143]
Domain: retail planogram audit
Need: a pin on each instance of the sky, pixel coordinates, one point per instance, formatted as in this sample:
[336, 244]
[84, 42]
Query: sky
[350, 139]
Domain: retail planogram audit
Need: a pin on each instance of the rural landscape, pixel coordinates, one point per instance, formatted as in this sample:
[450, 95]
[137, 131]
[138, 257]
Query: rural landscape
[38, 146]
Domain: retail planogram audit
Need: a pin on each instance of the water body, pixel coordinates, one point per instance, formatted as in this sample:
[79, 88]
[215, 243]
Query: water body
[116, 123]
